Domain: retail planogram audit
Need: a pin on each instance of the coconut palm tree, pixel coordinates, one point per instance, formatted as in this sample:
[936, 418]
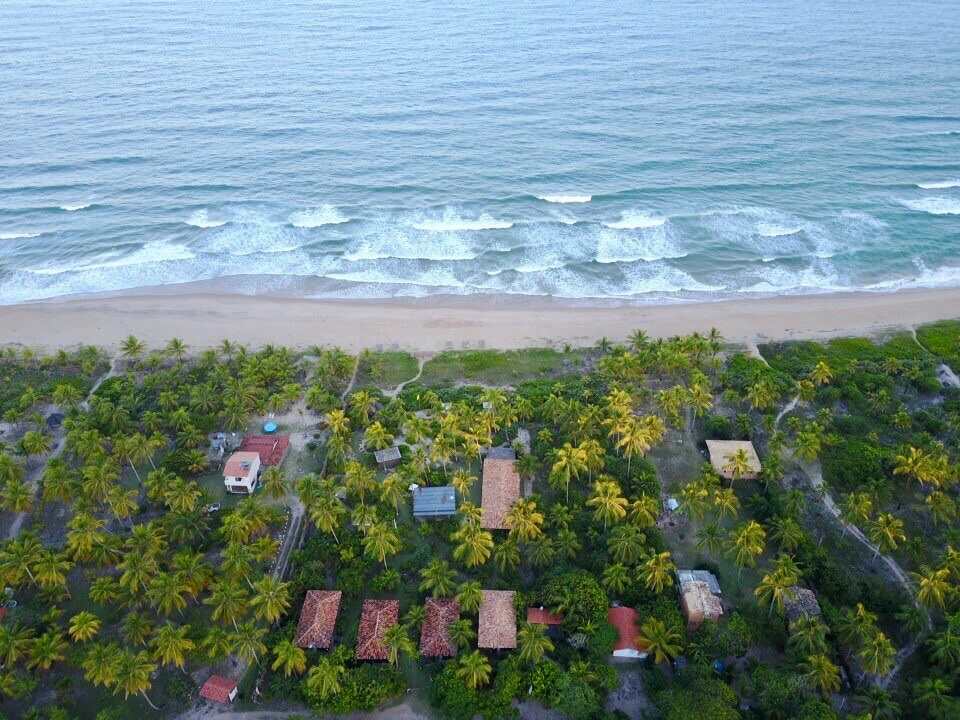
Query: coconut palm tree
[84, 626]
[787, 532]
[747, 543]
[380, 542]
[16, 496]
[933, 694]
[657, 572]
[857, 508]
[808, 636]
[738, 464]
[660, 639]
[726, 503]
[933, 586]
[569, 462]
[945, 646]
[877, 654]
[377, 437]
[710, 539]
[474, 669]
[324, 678]
[327, 513]
[50, 570]
[99, 664]
[248, 641]
[15, 643]
[289, 657]
[132, 347]
[462, 633]
[627, 544]
[533, 643]
[132, 673]
[566, 544]
[274, 483]
[821, 373]
[438, 579]
[398, 643]
[773, 588]
[462, 482]
[877, 704]
[176, 348]
[469, 596]
[644, 511]
[506, 555]
[229, 601]
[35, 442]
[362, 404]
[217, 643]
[474, 545]
[942, 507]
[524, 520]
[886, 532]
[271, 598]
[762, 395]
[171, 645]
[695, 499]
[359, 480]
[616, 578]
[46, 650]
[822, 674]
[607, 501]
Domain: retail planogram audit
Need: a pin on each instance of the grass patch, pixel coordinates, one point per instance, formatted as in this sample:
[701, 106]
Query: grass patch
[499, 368]
[942, 339]
[385, 370]
[799, 358]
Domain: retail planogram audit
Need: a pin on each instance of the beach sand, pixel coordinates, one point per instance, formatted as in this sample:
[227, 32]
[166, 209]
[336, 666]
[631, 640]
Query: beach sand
[439, 323]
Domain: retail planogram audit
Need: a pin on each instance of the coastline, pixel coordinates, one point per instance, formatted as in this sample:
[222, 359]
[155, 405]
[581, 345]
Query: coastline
[436, 323]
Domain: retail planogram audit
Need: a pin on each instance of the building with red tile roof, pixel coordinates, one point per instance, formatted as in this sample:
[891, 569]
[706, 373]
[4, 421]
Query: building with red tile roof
[542, 616]
[376, 617]
[624, 619]
[317, 619]
[435, 638]
[219, 689]
[271, 448]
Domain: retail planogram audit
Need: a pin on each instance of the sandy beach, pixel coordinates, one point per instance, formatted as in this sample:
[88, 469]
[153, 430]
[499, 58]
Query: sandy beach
[439, 323]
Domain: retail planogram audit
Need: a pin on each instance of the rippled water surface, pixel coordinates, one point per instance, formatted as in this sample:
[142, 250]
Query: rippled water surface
[656, 151]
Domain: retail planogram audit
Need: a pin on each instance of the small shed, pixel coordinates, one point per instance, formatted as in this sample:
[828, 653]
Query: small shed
[688, 576]
[721, 451]
[219, 689]
[699, 604]
[434, 502]
[388, 457]
[800, 602]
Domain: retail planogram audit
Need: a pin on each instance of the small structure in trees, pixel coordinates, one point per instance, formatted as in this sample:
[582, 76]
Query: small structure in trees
[800, 602]
[387, 458]
[699, 597]
[434, 502]
[498, 620]
[376, 617]
[624, 620]
[435, 640]
[723, 451]
[542, 616]
[499, 491]
[219, 689]
[242, 472]
[317, 619]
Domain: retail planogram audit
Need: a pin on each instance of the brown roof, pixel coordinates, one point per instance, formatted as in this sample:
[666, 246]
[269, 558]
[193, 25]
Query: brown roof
[501, 488]
[722, 450]
[270, 448]
[218, 689]
[317, 618]
[376, 618]
[624, 619]
[541, 616]
[435, 632]
[238, 465]
[699, 604]
[498, 620]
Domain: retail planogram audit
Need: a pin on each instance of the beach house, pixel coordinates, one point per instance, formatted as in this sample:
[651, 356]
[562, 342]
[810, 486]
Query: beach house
[500, 488]
[242, 472]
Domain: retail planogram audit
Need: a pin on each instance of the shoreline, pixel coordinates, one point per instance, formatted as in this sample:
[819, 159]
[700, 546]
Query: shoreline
[436, 323]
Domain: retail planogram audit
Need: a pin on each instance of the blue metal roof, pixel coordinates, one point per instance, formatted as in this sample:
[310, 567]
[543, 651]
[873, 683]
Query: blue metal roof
[434, 501]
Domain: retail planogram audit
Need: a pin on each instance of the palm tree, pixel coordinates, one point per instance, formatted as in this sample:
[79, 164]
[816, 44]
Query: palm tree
[362, 404]
[877, 654]
[878, 705]
[462, 481]
[943, 509]
[945, 646]
[569, 462]
[380, 542]
[338, 422]
[738, 464]
[747, 543]
[438, 579]
[726, 503]
[506, 555]
[710, 539]
[46, 650]
[533, 643]
[176, 348]
[821, 373]
[808, 636]
[627, 544]
[462, 633]
[474, 669]
[524, 520]
[474, 545]
[662, 640]
[217, 643]
[229, 601]
[822, 674]
[933, 586]
[132, 675]
[787, 532]
[50, 570]
[171, 645]
[773, 588]
[323, 680]
[608, 502]
[392, 491]
[248, 641]
[398, 643]
[377, 437]
[132, 347]
[762, 395]
[274, 483]
[886, 532]
[35, 442]
[289, 657]
[15, 643]
[658, 572]
[16, 496]
[857, 508]
[271, 598]
[616, 578]
[327, 513]
[469, 596]
[934, 694]
[644, 511]
[100, 664]
[84, 626]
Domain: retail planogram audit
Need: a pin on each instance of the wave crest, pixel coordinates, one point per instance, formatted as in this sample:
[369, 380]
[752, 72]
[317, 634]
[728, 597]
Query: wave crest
[317, 217]
[935, 205]
[942, 185]
[565, 199]
[201, 219]
[634, 220]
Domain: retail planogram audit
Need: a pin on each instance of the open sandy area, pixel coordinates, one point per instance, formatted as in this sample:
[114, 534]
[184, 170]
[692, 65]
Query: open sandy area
[204, 319]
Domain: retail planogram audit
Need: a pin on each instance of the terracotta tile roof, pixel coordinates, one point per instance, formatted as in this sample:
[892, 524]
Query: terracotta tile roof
[501, 488]
[317, 618]
[542, 616]
[435, 632]
[376, 618]
[722, 450]
[624, 619]
[239, 464]
[271, 448]
[218, 689]
[498, 620]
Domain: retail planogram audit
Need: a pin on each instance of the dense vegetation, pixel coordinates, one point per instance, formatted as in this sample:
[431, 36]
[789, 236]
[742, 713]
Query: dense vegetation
[122, 578]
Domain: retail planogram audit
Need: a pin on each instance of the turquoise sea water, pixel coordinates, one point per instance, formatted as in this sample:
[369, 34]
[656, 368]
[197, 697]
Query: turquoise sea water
[654, 151]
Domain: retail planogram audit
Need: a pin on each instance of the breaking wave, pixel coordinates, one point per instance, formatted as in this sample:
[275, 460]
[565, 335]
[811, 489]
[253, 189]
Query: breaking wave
[454, 223]
[935, 205]
[317, 217]
[632, 220]
[73, 207]
[201, 219]
[19, 235]
[943, 185]
[565, 199]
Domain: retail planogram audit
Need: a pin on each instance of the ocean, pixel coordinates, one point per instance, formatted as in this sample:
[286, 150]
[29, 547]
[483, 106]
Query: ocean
[643, 151]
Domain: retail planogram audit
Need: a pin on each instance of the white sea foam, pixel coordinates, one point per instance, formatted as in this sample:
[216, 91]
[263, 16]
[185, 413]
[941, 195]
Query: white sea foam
[770, 230]
[201, 219]
[430, 277]
[634, 220]
[252, 234]
[18, 235]
[565, 199]
[946, 276]
[614, 247]
[75, 206]
[152, 252]
[451, 222]
[388, 241]
[317, 217]
[943, 185]
[935, 205]
[818, 278]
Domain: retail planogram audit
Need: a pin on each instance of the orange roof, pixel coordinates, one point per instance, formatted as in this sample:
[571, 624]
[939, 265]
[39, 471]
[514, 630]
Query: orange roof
[270, 448]
[540, 616]
[498, 620]
[501, 488]
[624, 619]
[435, 638]
[317, 618]
[239, 464]
[218, 689]
[376, 618]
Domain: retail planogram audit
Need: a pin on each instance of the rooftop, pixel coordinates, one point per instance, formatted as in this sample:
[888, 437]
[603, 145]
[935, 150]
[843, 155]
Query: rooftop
[501, 453]
[434, 501]
[435, 638]
[376, 618]
[317, 619]
[542, 616]
[624, 619]
[699, 603]
[390, 454]
[218, 689]
[270, 448]
[688, 576]
[722, 450]
[239, 464]
[501, 488]
[498, 620]
[800, 602]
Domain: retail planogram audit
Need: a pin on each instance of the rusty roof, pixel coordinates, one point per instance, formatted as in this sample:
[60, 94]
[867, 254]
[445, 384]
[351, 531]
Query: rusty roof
[435, 638]
[317, 619]
[498, 620]
[218, 689]
[501, 488]
[376, 618]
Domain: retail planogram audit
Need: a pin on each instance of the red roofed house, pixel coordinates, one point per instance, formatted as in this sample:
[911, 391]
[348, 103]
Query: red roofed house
[624, 619]
[219, 689]
[317, 618]
[435, 638]
[376, 618]
[271, 448]
[241, 473]
[542, 616]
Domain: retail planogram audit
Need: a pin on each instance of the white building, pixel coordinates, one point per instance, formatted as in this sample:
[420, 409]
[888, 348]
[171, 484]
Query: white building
[241, 473]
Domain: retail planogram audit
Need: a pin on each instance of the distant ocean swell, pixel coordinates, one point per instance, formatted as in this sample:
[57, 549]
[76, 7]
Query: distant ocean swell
[590, 252]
